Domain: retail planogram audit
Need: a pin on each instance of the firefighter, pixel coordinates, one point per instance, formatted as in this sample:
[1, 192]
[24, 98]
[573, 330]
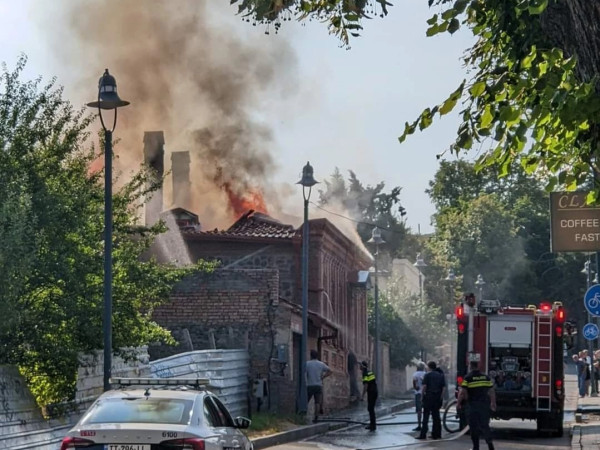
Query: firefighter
[477, 390]
[369, 388]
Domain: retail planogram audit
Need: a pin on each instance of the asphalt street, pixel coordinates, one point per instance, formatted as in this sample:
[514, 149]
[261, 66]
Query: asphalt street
[395, 432]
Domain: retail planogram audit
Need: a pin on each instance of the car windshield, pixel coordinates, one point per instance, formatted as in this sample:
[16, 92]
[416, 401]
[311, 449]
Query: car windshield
[140, 410]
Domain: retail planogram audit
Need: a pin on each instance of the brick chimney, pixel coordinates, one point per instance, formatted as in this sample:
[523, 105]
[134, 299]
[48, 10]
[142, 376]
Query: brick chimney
[180, 166]
[154, 154]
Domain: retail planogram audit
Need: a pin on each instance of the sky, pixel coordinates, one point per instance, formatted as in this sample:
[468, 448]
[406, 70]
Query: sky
[309, 98]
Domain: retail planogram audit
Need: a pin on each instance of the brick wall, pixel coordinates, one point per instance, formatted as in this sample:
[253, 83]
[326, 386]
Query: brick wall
[232, 309]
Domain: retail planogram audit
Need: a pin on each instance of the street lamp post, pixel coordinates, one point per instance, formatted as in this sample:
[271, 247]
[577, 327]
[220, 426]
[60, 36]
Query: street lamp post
[450, 279]
[479, 283]
[419, 264]
[108, 99]
[377, 240]
[307, 183]
[588, 273]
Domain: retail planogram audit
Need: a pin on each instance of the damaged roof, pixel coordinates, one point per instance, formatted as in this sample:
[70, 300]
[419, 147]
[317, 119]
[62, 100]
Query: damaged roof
[253, 225]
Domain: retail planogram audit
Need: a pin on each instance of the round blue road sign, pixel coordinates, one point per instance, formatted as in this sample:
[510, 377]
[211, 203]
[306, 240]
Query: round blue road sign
[591, 300]
[590, 331]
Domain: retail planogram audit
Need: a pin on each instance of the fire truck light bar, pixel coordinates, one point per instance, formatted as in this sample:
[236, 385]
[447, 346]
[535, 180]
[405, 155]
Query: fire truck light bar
[160, 381]
[489, 306]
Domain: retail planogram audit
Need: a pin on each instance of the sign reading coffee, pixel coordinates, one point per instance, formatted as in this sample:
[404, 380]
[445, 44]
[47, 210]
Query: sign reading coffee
[574, 225]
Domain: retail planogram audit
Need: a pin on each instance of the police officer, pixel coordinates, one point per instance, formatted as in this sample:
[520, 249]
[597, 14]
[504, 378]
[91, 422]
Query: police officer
[434, 385]
[477, 390]
[369, 388]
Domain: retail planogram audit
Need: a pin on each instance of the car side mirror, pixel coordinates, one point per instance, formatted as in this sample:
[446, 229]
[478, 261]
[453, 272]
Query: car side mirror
[242, 422]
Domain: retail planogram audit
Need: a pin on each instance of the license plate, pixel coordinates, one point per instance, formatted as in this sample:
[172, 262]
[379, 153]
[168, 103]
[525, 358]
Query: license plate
[126, 447]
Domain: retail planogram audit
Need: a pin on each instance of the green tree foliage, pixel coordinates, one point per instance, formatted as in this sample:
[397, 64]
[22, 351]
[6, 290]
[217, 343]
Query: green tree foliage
[529, 102]
[343, 17]
[371, 206]
[404, 344]
[51, 231]
[504, 235]
[423, 320]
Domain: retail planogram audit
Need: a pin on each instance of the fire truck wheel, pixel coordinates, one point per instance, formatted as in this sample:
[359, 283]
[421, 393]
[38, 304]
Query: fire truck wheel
[558, 420]
[550, 424]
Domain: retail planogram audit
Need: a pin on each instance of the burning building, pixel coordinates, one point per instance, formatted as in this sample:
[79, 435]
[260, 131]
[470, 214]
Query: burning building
[253, 300]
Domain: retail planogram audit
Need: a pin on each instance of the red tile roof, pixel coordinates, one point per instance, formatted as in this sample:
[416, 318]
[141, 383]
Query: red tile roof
[254, 225]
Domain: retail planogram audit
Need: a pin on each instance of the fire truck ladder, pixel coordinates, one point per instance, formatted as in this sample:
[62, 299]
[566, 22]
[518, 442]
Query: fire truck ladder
[543, 388]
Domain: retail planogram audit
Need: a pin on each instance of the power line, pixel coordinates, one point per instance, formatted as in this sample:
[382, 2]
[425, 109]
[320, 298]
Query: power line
[354, 220]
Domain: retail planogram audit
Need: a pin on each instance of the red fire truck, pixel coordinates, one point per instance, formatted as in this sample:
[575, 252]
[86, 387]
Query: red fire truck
[521, 349]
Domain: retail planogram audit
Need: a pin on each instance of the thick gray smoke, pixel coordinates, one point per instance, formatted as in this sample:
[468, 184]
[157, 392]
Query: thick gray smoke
[188, 72]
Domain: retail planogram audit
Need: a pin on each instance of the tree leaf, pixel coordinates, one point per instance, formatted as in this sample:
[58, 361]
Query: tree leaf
[537, 6]
[453, 26]
[477, 89]
[487, 117]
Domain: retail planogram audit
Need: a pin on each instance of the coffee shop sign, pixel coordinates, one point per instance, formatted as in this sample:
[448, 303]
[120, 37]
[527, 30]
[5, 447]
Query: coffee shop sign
[575, 225]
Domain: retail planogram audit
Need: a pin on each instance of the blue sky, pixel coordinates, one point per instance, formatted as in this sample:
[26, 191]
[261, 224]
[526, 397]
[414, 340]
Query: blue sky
[346, 108]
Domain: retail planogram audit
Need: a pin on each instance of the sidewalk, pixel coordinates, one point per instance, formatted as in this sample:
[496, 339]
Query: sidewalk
[586, 428]
[340, 419]
[585, 432]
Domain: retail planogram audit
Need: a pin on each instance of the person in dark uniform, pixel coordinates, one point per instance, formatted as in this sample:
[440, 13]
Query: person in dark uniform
[434, 384]
[477, 389]
[369, 388]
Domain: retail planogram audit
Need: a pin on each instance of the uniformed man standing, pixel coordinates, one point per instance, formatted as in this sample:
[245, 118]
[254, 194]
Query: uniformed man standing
[369, 388]
[434, 385]
[477, 390]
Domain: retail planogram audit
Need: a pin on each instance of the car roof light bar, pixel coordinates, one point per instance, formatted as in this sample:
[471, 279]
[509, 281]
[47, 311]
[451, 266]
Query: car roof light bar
[195, 382]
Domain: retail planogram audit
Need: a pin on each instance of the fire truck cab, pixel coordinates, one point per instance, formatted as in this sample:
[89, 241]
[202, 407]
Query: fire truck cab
[521, 349]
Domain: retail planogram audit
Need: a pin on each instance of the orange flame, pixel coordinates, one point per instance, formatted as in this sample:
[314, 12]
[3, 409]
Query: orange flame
[241, 204]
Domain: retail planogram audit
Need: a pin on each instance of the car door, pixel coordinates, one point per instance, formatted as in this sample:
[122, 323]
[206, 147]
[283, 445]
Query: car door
[230, 437]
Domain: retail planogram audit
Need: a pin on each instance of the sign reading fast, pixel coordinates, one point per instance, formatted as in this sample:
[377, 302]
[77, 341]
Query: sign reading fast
[574, 225]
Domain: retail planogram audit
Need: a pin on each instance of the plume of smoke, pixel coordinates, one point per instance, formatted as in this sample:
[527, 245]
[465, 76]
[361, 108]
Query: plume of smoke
[188, 72]
[338, 213]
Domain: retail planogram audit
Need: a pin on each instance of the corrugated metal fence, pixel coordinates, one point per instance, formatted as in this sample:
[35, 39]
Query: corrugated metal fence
[227, 370]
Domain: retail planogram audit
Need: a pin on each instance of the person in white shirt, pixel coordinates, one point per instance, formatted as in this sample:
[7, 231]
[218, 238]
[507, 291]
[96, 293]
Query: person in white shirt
[315, 372]
[417, 380]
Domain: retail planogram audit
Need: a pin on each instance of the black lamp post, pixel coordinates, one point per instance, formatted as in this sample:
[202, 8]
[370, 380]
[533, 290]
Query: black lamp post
[307, 183]
[377, 240]
[107, 99]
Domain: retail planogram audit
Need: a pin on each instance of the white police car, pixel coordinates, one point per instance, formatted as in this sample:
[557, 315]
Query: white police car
[158, 414]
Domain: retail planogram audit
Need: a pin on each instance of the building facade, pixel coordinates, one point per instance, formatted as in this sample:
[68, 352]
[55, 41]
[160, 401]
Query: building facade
[253, 301]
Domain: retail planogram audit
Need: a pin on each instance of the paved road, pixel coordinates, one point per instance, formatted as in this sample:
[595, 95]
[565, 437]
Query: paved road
[513, 434]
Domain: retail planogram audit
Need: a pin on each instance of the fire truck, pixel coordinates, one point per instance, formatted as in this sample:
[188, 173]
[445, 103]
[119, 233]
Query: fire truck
[521, 349]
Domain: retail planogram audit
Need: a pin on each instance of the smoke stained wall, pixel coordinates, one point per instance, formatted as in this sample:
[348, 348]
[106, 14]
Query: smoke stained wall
[185, 71]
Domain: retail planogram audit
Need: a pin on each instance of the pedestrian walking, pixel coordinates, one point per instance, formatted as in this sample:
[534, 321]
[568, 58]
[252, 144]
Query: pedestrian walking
[417, 381]
[477, 391]
[434, 384]
[370, 389]
[316, 371]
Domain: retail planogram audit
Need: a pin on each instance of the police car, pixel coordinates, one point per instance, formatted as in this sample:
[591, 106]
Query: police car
[158, 414]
